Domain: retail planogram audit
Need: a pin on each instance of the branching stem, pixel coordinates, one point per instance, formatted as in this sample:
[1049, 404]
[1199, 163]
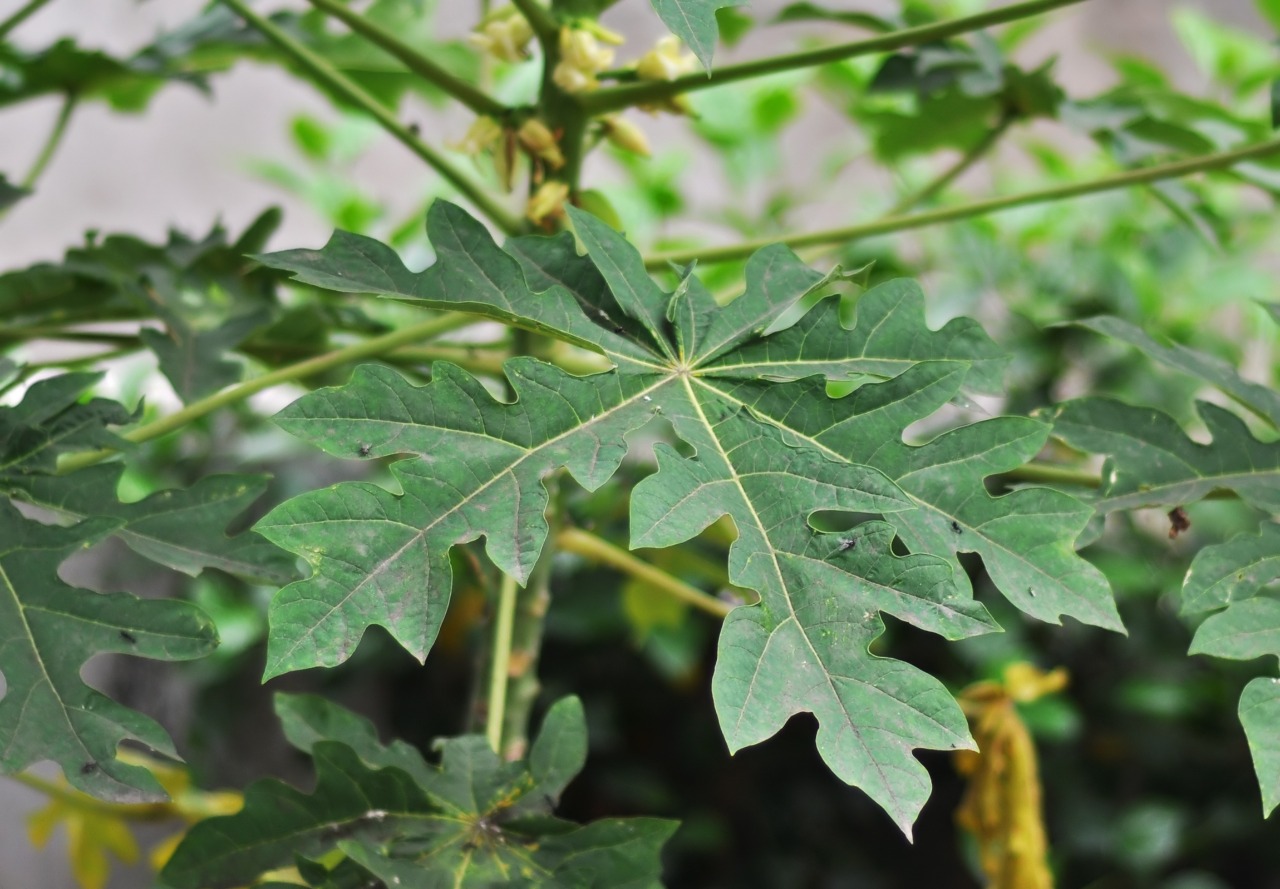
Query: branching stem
[370, 348]
[419, 64]
[333, 79]
[627, 95]
[892, 224]
[597, 549]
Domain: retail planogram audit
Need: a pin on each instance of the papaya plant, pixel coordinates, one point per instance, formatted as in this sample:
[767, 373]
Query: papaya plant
[788, 478]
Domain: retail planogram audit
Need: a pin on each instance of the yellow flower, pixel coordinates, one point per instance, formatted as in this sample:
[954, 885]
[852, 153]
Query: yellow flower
[581, 59]
[547, 202]
[481, 136]
[625, 134]
[505, 37]
[541, 142]
[665, 61]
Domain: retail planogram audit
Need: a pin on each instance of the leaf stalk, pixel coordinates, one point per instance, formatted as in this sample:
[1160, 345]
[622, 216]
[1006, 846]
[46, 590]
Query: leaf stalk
[627, 95]
[423, 66]
[892, 224]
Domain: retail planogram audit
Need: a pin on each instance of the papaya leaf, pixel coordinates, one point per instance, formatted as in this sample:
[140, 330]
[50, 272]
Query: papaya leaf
[1262, 400]
[10, 194]
[180, 529]
[51, 420]
[48, 630]
[1151, 462]
[767, 454]
[694, 22]
[1235, 577]
[472, 821]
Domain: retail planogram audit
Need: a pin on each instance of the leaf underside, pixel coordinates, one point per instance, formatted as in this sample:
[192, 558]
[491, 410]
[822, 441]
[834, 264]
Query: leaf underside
[770, 448]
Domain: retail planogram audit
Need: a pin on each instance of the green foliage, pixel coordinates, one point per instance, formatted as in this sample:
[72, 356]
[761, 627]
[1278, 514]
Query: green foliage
[869, 502]
[471, 821]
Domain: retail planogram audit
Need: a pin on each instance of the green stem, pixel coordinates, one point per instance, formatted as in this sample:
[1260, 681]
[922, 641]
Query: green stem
[415, 61]
[500, 663]
[370, 348]
[23, 13]
[544, 24]
[532, 604]
[52, 142]
[336, 81]
[86, 803]
[934, 186]
[891, 224]
[597, 549]
[618, 97]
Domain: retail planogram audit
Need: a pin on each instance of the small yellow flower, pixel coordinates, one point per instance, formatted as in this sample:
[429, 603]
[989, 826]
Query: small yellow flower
[541, 142]
[505, 37]
[665, 61]
[625, 134]
[547, 203]
[581, 59]
[481, 136]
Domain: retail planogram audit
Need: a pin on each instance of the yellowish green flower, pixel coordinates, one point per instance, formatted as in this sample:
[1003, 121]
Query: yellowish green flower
[547, 203]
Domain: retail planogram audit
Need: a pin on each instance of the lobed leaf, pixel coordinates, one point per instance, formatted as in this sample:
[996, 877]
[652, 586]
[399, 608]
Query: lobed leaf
[768, 454]
[1151, 462]
[48, 630]
[472, 821]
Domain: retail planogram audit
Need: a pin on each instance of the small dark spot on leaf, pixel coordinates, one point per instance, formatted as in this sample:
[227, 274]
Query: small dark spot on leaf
[1179, 521]
[847, 543]
[364, 450]
[1030, 591]
[89, 768]
[955, 527]
[128, 637]
[618, 330]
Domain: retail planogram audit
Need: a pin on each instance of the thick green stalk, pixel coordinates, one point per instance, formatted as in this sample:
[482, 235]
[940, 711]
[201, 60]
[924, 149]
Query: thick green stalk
[335, 80]
[627, 95]
[529, 621]
[370, 348]
[500, 663]
[24, 12]
[597, 549]
[415, 61]
[892, 224]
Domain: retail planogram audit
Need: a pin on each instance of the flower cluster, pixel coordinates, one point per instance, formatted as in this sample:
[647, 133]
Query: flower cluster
[582, 57]
[505, 35]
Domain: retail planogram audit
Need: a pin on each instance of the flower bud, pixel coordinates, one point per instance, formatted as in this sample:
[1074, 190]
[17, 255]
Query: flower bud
[505, 37]
[581, 58]
[547, 203]
[481, 135]
[665, 61]
[540, 142]
[625, 135]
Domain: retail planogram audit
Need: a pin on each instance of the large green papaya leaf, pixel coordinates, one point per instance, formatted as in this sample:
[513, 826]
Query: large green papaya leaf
[48, 630]
[472, 821]
[382, 558]
[694, 22]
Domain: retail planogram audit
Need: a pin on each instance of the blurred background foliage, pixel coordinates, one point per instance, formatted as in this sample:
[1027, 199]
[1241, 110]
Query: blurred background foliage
[1147, 777]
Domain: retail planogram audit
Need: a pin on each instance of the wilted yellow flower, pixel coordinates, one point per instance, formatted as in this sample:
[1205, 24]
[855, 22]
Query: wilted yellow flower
[665, 61]
[581, 59]
[505, 37]
[541, 142]
[547, 202]
[625, 134]
[481, 136]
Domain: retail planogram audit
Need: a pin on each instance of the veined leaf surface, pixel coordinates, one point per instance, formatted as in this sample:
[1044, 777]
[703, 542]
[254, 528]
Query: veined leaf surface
[767, 454]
